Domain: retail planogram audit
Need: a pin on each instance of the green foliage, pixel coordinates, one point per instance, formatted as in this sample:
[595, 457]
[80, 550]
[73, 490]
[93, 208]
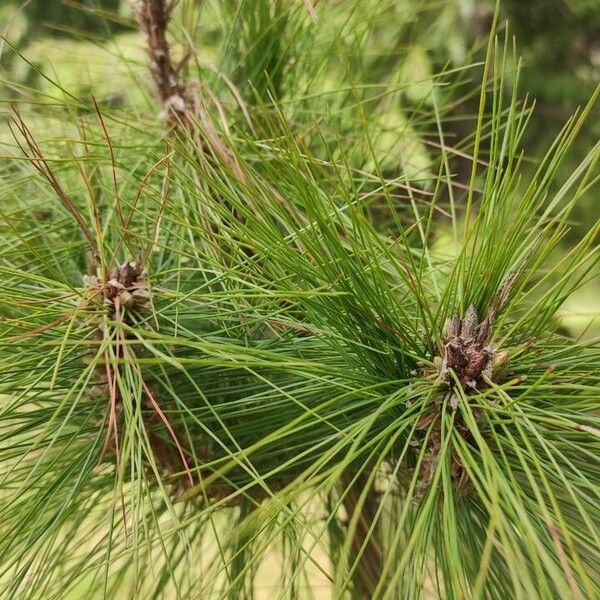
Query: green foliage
[243, 352]
[80, 15]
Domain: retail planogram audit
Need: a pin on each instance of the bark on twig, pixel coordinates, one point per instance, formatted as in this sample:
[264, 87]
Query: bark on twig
[153, 17]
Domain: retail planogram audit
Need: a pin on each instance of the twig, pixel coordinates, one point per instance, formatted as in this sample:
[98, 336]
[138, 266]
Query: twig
[153, 17]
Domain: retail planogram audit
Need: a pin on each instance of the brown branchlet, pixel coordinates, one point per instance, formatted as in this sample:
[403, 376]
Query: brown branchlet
[153, 17]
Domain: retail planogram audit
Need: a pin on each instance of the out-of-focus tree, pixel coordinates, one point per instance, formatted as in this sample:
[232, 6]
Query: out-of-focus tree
[53, 16]
[560, 40]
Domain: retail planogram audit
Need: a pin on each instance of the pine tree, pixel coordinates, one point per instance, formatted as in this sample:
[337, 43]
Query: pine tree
[257, 340]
